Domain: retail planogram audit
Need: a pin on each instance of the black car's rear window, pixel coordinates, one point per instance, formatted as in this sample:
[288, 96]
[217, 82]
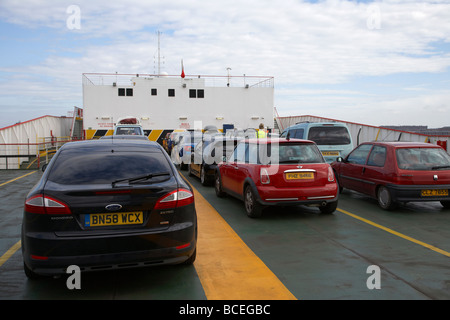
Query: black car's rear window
[71, 167]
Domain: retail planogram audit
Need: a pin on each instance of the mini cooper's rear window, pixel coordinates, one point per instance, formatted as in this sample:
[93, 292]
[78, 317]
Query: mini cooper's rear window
[275, 153]
[71, 167]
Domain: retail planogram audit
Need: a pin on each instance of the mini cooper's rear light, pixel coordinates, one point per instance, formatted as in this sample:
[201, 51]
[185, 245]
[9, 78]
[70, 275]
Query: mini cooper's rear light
[264, 176]
[174, 199]
[330, 174]
[41, 204]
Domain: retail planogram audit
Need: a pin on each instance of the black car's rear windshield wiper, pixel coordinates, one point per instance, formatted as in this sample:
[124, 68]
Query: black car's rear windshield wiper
[144, 177]
[440, 167]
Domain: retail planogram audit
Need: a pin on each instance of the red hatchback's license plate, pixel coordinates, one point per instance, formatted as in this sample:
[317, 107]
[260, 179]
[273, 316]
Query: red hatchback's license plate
[434, 193]
[113, 219]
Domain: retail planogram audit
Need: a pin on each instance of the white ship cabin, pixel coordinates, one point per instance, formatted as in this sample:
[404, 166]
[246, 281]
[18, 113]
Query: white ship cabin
[165, 103]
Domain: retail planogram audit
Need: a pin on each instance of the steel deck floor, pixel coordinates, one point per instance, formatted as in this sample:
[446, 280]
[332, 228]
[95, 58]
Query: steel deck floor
[290, 253]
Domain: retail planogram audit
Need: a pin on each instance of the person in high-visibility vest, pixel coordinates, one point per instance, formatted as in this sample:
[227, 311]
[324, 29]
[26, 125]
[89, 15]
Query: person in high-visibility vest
[261, 132]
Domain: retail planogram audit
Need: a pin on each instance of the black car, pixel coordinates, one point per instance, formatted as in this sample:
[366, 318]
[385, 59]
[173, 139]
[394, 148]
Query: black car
[105, 204]
[207, 154]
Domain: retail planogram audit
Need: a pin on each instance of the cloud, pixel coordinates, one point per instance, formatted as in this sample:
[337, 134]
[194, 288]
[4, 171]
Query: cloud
[326, 43]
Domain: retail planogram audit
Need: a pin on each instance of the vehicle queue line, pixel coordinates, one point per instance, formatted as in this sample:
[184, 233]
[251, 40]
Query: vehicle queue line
[398, 234]
[228, 269]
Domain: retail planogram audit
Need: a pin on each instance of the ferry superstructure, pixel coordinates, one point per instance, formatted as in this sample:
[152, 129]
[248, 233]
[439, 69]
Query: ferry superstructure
[164, 103]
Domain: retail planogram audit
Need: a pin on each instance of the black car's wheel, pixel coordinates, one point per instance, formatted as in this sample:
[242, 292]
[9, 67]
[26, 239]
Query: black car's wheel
[218, 186]
[252, 207]
[384, 198]
[30, 274]
[191, 259]
[445, 204]
[190, 173]
[203, 178]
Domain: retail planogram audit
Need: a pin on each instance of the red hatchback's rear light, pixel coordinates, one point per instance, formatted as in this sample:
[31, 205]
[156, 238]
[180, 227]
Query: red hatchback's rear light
[46, 205]
[174, 199]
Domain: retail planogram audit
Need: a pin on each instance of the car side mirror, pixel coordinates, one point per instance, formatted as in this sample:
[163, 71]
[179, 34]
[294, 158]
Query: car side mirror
[340, 159]
[44, 167]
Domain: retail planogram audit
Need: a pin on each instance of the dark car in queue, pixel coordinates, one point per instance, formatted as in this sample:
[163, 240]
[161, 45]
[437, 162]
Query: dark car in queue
[277, 172]
[182, 149]
[396, 172]
[104, 204]
[207, 154]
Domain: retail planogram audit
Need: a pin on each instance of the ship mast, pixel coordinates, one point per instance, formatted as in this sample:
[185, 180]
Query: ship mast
[159, 54]
[158, 72]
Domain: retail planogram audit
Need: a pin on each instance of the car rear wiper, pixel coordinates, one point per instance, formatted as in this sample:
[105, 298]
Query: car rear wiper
[290, 161]
[440, 167]
[144, 177]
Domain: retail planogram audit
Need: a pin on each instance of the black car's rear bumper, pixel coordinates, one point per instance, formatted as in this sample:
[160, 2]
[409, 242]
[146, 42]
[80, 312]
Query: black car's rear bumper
[49, 254]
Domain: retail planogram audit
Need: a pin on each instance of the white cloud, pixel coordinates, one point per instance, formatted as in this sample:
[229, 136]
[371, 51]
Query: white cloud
[300, 43]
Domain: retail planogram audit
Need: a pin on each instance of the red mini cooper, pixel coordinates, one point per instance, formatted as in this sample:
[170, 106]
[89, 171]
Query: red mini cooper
[394, 172]
[267, 172]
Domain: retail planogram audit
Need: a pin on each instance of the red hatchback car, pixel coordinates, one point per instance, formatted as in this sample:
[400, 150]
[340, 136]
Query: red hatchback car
[395, 172]
[267, 172]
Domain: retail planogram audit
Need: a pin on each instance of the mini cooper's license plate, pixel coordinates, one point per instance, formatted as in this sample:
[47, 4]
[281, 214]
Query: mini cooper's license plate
[434, 192]
[299, 175]
[113, 219]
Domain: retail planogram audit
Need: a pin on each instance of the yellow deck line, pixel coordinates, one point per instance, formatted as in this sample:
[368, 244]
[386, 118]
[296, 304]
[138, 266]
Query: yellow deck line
[9, 253]
[2, 184]
[227, 268]
[398, 234]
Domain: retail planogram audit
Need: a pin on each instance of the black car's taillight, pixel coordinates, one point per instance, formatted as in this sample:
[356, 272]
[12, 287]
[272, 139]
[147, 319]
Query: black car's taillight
[175, 199]
[41, 204]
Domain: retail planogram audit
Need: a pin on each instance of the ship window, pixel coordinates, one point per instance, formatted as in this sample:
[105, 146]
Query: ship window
[154, 92]
[125, 92]
[193, 93]
[171, 92]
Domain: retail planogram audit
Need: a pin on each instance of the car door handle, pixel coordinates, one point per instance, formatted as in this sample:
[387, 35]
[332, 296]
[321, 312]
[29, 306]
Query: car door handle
[363, 170]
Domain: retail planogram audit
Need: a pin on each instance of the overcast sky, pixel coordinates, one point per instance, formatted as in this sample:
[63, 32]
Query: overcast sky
[372, 62]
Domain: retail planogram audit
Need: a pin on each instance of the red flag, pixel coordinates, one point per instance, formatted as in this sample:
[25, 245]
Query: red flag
[182, 69]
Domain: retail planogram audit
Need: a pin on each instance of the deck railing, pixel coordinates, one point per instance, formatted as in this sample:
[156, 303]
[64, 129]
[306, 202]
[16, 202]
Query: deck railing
[116, 79]
[30, 155]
